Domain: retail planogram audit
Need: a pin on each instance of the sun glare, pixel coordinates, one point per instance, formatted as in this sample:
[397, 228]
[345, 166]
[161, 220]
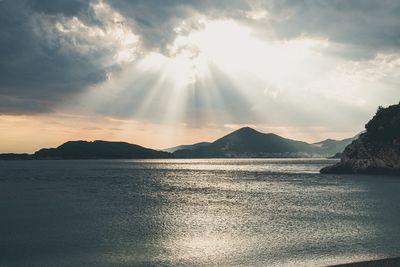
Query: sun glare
[193, 74]
[234, 49]
[198, 65]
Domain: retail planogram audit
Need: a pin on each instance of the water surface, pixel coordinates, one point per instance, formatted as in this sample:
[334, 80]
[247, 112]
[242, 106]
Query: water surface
[263, 212]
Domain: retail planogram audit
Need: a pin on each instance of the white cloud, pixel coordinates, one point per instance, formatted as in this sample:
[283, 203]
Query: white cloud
[112, 38]
[239, 77]
[276, 63]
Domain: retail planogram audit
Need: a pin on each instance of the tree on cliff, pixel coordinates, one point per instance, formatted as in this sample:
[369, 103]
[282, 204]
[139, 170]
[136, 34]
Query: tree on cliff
[375, 151]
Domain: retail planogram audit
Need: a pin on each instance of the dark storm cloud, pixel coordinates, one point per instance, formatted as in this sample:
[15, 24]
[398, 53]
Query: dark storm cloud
[66, 8]
[33, 69]
[36, 73]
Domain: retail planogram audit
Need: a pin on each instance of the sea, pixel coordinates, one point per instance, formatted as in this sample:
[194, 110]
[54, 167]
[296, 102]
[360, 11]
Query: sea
[200, 212]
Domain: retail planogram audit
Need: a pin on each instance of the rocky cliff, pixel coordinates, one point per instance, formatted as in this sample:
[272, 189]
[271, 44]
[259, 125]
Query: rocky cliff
[377, 151]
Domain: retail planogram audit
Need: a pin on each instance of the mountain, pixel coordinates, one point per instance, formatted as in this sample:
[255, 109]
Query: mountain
[377, 151]
[99, 150]
[247, 142]
[188, 147]
[331, 147]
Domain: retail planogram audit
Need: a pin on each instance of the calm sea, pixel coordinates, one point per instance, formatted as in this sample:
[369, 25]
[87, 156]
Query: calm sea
[266, 212]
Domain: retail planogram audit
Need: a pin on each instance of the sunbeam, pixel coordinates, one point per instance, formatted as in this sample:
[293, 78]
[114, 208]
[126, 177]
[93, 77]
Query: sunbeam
[223, 72]
[199, 133]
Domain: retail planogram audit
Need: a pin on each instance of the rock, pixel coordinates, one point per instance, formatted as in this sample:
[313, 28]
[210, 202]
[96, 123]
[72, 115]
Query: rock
[377, 151]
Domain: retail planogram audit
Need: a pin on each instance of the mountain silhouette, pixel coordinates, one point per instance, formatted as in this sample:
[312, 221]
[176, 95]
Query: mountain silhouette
[247, 142]
[99, 150]
[331, 147]
[189, 147]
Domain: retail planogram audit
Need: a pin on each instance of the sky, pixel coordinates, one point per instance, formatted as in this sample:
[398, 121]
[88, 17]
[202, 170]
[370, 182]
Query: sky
[160, 73]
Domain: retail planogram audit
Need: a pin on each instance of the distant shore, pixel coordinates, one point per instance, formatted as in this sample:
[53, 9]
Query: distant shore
[391, 262]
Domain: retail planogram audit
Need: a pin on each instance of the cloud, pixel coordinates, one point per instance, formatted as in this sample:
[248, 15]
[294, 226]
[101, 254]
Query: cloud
[363, 28]
[33, 68]
[56, 53]
[67, 8]
[156, 20]
[51, 50]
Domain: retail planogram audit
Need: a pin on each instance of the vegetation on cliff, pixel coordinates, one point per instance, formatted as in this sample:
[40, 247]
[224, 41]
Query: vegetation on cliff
[375, 151]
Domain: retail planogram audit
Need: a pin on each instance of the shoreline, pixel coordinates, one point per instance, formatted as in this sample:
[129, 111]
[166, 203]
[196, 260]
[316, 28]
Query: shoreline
[389, 262]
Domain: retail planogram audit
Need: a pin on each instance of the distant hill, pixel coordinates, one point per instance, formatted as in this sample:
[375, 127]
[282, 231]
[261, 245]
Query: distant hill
[99, 150]
[331, 147]
[244, 143]
[247, 142]
[336, 156]
[188, 147]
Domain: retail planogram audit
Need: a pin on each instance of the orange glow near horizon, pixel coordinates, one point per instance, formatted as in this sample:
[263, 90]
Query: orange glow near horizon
[199, 77]
[27, 134]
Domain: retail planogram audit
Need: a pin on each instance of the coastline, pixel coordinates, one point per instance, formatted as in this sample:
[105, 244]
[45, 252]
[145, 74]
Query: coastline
[389, 262]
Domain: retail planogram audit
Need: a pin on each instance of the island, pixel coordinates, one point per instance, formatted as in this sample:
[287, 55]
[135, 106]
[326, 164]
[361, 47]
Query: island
[91, 150]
